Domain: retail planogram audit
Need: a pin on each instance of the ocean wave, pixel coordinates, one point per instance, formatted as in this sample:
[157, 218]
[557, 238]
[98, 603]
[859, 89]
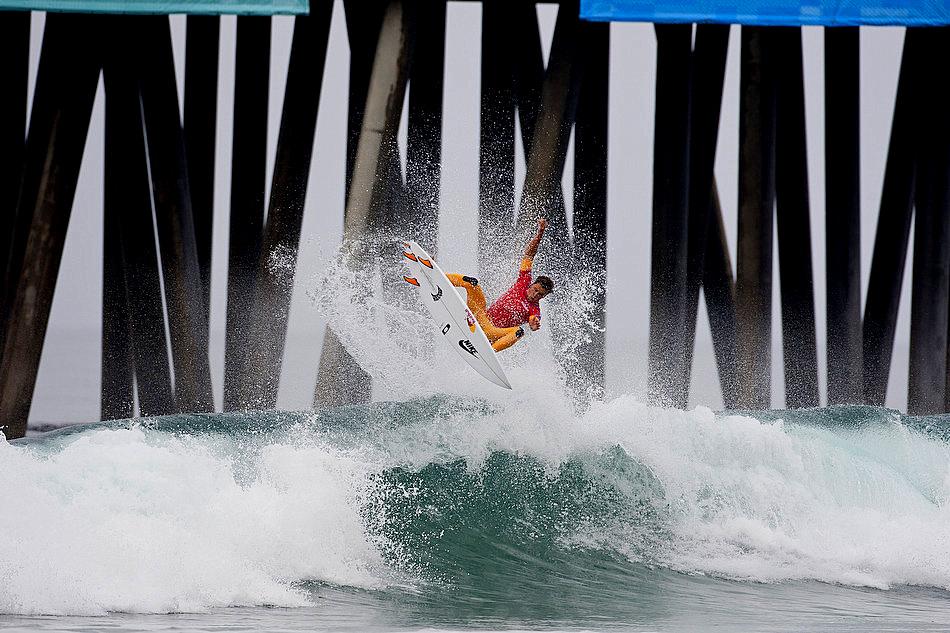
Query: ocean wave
[192, 512]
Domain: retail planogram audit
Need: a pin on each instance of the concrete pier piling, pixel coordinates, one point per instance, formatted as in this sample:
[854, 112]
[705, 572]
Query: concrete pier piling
[668, 271]
[711, 45]
[843, 215]
[14, 76]
[134, 342]
[793, 222]
[340, 379]
[248, 182]
[269, 306]
[200, 119]
[892, 236]
[756, 219]
[62, 104]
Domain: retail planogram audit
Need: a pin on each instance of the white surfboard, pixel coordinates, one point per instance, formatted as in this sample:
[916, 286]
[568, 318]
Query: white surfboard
[456, 323]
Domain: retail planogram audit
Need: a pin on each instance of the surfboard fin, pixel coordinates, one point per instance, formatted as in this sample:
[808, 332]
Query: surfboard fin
[409, 255]
[424, 262]
[411, 280]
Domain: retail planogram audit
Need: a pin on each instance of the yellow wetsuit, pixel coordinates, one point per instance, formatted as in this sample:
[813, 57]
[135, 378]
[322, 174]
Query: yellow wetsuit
[501, 338]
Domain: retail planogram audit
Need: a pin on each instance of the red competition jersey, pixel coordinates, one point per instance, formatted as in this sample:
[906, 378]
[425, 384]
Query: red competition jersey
[513, 308]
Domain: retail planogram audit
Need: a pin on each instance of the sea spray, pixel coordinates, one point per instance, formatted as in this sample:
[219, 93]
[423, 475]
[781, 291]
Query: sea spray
[382, 324]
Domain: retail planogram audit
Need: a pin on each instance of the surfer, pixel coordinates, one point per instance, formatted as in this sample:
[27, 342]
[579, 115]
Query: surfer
[503, 321]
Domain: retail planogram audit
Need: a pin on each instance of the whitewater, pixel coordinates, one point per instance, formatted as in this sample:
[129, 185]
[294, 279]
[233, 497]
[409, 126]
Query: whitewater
[441, 506]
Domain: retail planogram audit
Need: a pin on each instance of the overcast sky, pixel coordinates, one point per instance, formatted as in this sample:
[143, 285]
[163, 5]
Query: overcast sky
[68, 387]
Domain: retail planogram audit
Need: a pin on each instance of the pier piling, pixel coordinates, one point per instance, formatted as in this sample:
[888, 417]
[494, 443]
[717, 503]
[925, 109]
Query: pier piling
[269, 305]
[66, 85]
[496, 151]
[892, 236]
[187, 318]
[668, 382]
[14, 52]
[201, 110]
[590, 196]
[424, 134]
[793, 211]
[340, 380]
[931, 278]
[248, 177]
[843, 215]
[708, 74]
[756, 219]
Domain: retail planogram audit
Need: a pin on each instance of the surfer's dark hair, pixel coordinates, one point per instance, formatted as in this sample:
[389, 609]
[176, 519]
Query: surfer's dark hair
[545, 282]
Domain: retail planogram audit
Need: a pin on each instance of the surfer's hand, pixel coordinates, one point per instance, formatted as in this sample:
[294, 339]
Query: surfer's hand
[542, 224]
[534, 323]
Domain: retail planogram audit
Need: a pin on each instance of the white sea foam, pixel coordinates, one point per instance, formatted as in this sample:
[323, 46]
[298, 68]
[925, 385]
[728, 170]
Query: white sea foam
[127, 520]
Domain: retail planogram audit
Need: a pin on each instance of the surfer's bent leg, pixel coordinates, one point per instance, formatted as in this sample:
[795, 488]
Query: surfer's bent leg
[475, 299]
[508, 339]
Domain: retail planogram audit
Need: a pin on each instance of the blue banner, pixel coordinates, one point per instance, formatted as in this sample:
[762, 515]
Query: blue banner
[773, 12]
[163, 7]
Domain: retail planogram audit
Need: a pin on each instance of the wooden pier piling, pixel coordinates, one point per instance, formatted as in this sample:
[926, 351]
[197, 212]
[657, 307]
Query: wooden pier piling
[118, 369]
[528, 64]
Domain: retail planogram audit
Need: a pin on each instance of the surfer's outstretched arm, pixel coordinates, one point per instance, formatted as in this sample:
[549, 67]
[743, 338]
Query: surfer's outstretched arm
[532, 248]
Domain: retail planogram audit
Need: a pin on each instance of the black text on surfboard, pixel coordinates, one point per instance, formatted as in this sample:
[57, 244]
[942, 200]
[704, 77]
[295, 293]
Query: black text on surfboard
[468, 347]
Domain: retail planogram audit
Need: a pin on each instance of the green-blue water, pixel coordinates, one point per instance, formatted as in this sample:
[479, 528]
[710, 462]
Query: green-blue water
[455, 513]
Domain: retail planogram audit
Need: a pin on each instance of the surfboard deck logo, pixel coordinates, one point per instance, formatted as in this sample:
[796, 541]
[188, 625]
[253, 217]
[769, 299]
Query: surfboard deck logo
[451, 315]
